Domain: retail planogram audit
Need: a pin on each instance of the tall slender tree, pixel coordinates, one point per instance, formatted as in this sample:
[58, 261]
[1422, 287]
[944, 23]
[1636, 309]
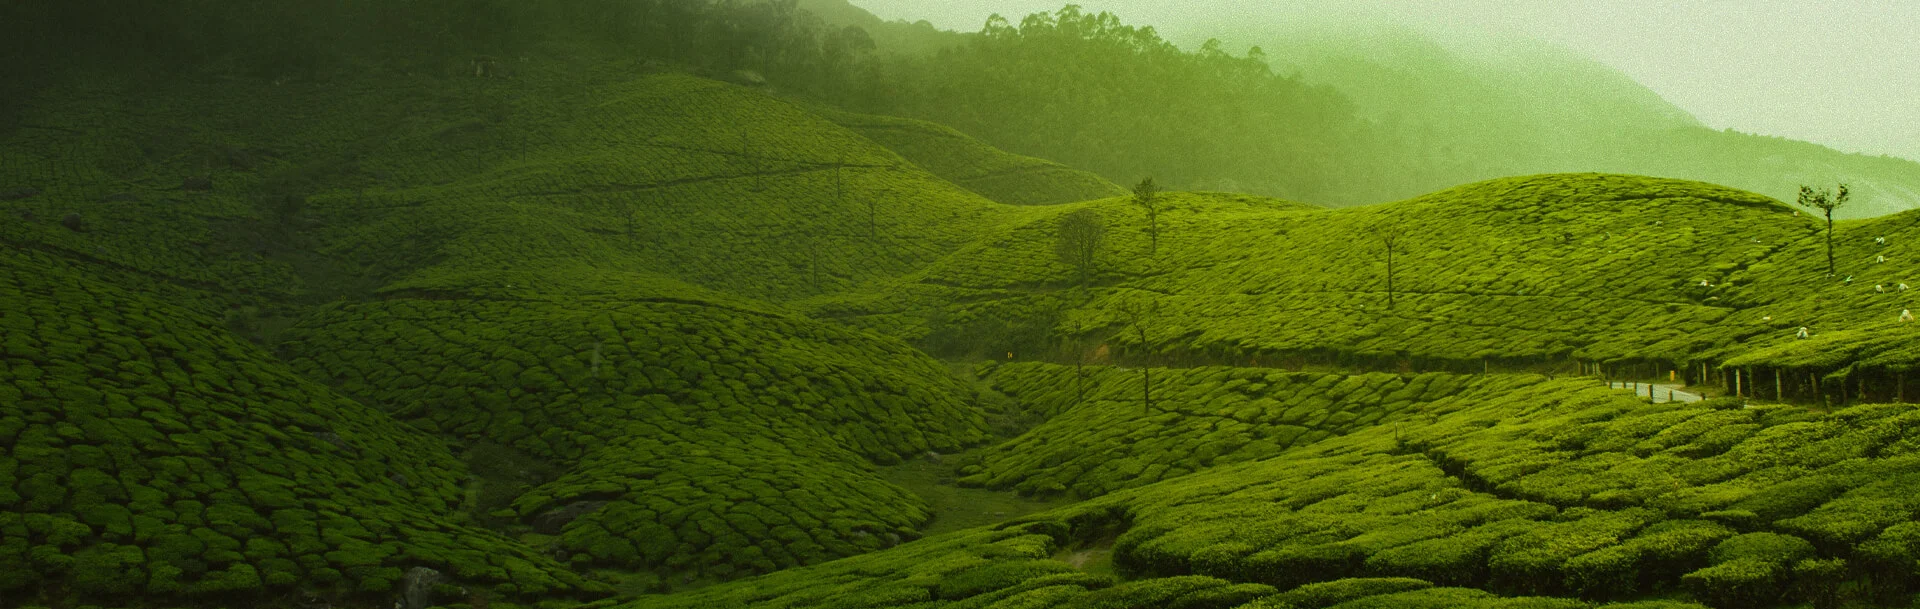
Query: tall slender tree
[1078, 242]
[1140, 314]
[1147, 196]
[1825, 201]
[1392, 238]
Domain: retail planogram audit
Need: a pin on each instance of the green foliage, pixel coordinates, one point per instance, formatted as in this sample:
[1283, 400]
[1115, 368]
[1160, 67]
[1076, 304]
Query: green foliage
[971, 164]
[153, 500]
[1328, 594]
[691, 437]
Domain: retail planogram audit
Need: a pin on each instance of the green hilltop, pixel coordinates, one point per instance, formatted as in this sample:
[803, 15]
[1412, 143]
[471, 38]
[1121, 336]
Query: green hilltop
[557, 330]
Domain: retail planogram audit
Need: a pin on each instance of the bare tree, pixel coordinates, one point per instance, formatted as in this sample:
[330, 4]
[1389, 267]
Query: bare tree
[1078, 241]
[1825, 201]
[1147, 196]
[1140, 313]
[1392, 238]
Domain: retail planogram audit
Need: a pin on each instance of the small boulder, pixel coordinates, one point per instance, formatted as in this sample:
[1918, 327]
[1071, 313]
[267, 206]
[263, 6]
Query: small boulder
[18, 194]
[551, 522]
[400, 479]
[74, 223]
[747, 78]
[417, 591]
[197, 183]
[334, 439]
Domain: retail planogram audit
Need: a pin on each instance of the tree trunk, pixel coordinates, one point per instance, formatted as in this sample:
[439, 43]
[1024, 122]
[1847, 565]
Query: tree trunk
[1778, 395]
[1146, 389]
[1830, 242]
[1153, 234]
[1389, 278]
[1080, 375]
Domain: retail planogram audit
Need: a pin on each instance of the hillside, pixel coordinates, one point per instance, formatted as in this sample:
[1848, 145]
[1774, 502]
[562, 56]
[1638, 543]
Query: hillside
[996, 175]
[153, 455]
[363, 247]
[1543, 269]
[1533, 493]
[559, 331]
[1399, 112]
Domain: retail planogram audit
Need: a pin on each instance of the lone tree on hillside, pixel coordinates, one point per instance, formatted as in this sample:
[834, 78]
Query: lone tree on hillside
[1078, 241]
[1140, 313]
[1825, 201]
[1147, 196]
[1392, 238]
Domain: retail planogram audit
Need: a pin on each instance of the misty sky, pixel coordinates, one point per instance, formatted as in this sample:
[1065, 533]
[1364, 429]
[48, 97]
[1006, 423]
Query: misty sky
[1844, 73]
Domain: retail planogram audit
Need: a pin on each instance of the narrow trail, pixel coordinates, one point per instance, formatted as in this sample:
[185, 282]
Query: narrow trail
[1660, 393]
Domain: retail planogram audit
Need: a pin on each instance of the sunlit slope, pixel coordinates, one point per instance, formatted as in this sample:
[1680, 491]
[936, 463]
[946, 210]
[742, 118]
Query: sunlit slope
[694, 437]
[1857, 340]
[1533, 487]
[150, 454]
[1201, 418]
[995, 174]
[1535, 268]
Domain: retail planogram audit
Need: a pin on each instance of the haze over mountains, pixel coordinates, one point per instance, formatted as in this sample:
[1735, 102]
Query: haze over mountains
[1478, 107]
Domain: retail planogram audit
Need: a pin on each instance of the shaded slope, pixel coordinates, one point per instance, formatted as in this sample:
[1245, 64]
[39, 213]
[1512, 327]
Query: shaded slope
[590, 178]
[695, 438]
[996, 175]
[712, 184]
[151, 455]
[432, 232]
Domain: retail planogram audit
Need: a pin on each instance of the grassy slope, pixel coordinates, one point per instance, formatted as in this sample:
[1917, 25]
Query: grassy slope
[995, 174]
[1543, 268]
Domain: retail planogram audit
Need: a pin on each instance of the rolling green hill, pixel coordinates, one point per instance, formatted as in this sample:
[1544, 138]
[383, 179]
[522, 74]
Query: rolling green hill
[596, 333]
[153, 455]
[996, 175]
[627, 391]
[1532, 488]
[1540, 269]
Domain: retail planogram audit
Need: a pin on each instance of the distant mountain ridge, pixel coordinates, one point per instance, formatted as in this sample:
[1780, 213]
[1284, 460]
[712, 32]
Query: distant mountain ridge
[1443, 111]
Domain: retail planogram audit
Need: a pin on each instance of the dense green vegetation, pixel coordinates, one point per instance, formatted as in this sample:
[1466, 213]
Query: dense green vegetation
[152, 454]
[693, 438]
[1530, 487]
[996, 175]
[348, 328]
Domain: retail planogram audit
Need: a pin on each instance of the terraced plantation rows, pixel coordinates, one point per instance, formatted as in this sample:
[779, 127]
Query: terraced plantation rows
[1535, 271]
[599, 336]
[995, 174]
[694, 438]
[151, 454]
[1524, 488]
[1203, 417]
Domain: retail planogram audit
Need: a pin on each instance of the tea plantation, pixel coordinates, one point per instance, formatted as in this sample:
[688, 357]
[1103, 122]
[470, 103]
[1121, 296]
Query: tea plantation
[614, 336]
[153, 455]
